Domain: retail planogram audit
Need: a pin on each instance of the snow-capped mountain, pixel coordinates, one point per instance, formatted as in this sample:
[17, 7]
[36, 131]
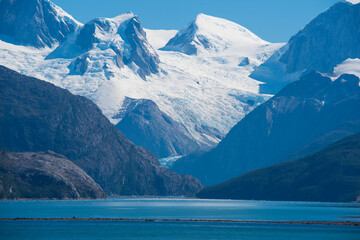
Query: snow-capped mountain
[122, 36]
[37, 23]
[207, 34]
[327, 41]
[108, 60]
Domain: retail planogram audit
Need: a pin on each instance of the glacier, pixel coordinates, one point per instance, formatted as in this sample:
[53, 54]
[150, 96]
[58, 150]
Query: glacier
[207, 92]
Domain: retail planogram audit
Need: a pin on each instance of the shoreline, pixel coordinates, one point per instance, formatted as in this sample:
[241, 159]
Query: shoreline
[332, 223]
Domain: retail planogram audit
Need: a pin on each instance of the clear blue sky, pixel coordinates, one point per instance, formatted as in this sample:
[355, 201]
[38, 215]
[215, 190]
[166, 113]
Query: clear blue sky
[272, 20]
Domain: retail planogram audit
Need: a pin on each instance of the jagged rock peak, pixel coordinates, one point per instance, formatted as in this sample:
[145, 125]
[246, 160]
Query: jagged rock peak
[38, 23]
[123, 35]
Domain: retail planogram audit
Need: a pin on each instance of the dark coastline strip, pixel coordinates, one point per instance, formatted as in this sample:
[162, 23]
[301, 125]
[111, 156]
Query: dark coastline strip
[339, 223]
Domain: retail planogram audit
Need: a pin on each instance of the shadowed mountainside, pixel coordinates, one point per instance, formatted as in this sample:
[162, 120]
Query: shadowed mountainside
[301, 119]
[45, 175]
[147, 126]
[330, 175]
[37, 116]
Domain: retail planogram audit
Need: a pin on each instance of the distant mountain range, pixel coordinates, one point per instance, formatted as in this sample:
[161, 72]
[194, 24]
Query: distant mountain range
[109, 60]
[38, 116]
[330, 175]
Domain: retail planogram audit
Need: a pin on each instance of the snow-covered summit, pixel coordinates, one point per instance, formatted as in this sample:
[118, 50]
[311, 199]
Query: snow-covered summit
[212, 34]
[37, 23]
[121, 38]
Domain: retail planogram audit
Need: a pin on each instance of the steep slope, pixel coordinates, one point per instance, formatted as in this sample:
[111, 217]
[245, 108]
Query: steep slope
[121, 38]
[108, 60]
[145, 125]
[302, 118]
[44, 175]
[334, 37]
[37, 116]
[210, 34]
[330, 175]
[37, 23]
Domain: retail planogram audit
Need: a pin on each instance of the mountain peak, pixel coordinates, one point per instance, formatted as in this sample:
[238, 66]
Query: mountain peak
[203, 16]
[333, 35]
[211, 34]
[120, 40]
[38, 23]
[120, 18]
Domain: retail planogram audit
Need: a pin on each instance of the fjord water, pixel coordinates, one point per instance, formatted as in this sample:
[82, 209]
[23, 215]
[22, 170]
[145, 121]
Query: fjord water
[176, 209]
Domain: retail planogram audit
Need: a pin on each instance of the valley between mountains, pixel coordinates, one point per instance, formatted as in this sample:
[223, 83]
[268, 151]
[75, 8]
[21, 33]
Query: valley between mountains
[102, 101]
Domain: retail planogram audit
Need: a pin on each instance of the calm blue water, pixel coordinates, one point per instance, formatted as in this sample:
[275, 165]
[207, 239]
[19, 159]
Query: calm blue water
[175, 209]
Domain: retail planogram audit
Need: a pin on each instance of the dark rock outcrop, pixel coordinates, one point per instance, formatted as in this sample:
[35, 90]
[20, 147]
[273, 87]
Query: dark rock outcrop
[44, 175]
[330, 175]
[37, 23]
[147, 126]
[79, 65]
[37, 116]
[301, 119]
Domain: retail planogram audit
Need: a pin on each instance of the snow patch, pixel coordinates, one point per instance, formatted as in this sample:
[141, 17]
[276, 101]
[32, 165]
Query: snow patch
[349, 66]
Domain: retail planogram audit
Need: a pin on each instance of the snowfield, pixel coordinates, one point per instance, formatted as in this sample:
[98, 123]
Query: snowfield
[207, 92]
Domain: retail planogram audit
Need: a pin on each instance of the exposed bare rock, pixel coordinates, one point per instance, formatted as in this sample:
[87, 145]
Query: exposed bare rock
[44, 175]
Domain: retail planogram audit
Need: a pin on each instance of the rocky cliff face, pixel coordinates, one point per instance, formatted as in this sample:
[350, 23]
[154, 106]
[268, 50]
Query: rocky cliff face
[321, 45]
[37, 23]
[301, 119]
[37, 116]
[44, 175]
[334, 37]
[144, 124]
[330, 175]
